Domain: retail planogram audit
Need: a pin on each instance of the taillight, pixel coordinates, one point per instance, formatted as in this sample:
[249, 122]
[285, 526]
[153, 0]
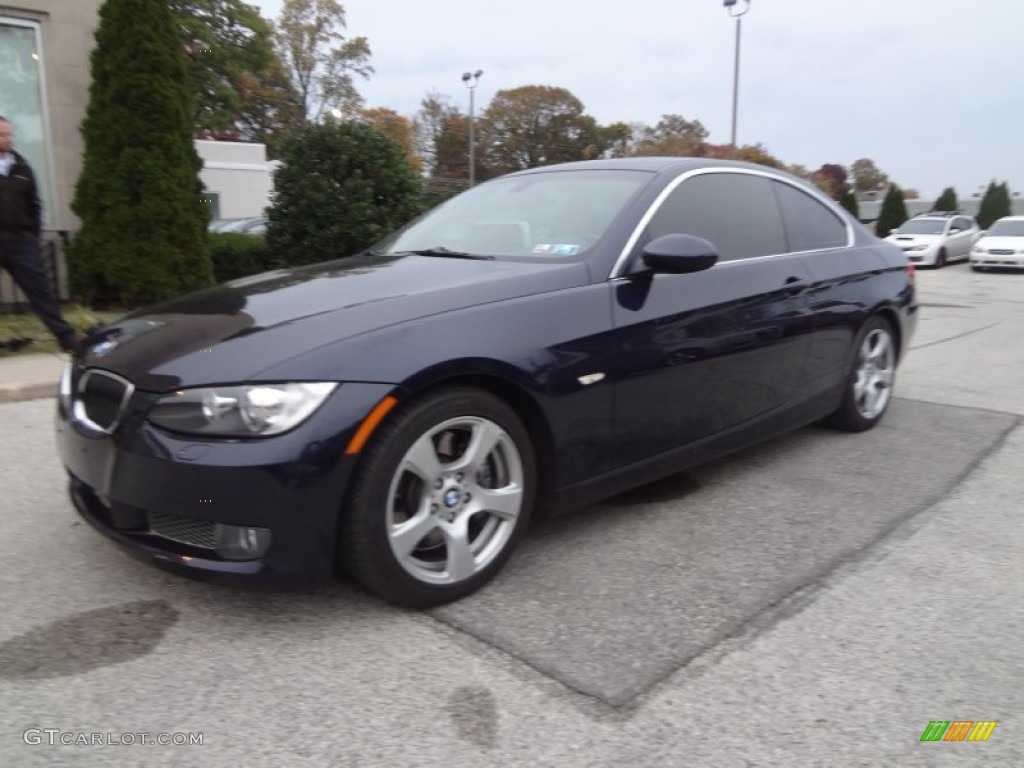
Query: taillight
[911, 273]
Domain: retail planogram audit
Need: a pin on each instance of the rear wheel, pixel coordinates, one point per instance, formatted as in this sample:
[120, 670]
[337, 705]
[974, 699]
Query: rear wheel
[440, 499]
[870, 381]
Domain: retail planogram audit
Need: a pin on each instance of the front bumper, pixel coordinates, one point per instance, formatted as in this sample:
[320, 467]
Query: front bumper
[174, 555]
[161, 496]
[1010, 261]
[927, 257]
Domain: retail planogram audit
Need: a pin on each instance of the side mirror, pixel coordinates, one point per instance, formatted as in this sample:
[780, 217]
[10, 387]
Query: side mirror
[679, 254]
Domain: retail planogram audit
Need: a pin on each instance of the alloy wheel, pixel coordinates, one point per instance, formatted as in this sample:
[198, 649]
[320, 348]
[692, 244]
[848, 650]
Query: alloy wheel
[872, 387]
[454, 500]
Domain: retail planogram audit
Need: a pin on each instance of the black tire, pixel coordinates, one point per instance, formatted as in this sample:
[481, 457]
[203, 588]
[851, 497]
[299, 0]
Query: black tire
[389, 489]
[868, 387]
[940, 260]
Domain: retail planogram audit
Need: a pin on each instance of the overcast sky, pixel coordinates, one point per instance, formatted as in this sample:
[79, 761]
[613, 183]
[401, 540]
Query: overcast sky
[930, 90]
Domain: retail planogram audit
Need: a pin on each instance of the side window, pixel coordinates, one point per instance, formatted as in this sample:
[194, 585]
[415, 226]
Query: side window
[810, 225]
[737, 212]
[963, 223]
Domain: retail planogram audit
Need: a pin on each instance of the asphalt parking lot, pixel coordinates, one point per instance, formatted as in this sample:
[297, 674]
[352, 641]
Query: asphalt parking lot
[814, 601]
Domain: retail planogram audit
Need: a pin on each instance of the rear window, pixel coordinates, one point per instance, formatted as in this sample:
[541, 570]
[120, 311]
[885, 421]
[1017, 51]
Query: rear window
[810, 226]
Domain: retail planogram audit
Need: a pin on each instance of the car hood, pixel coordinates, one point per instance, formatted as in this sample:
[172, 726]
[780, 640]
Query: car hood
[1001, 243]
[233, 331]
[908, 240]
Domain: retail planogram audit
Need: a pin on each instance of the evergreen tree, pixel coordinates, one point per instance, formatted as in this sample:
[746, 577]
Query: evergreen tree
[893, 213]
[1004, 205]
[340, 188]
[139, 196]
[947, 201]
[994, 205]
[849, 202]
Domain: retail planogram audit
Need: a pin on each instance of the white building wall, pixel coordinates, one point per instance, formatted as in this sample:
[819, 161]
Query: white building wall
[239, 174]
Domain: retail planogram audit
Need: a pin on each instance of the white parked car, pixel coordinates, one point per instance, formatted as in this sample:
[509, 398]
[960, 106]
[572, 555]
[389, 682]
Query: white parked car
[1002, 245]
[256, 225]
[936, 239]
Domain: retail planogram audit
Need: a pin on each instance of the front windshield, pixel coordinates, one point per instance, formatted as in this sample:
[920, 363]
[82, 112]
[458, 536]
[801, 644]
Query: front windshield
[923, 227]
[554, 215]
[1007, 229]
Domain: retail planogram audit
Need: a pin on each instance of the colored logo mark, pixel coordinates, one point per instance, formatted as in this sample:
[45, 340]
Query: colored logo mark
[959, 730]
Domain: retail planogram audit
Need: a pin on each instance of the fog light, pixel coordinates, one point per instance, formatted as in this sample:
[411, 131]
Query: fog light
[235, 542]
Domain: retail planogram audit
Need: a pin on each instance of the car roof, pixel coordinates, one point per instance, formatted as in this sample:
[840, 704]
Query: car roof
[654, 165]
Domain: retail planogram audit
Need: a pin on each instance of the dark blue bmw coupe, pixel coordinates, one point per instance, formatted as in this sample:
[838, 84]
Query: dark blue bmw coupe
[541, 341]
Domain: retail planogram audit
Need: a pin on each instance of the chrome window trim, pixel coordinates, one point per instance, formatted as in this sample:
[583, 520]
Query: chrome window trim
[78, 413]
[645, 220]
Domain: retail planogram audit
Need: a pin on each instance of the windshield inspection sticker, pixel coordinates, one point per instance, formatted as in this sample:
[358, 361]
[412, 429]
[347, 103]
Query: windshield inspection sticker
[557, 250]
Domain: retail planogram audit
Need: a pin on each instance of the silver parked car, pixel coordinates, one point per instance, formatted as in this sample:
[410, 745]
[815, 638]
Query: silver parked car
[256, 225]
[937, 238]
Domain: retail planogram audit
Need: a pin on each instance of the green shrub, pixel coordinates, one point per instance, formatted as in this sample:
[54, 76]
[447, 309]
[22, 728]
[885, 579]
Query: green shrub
[236, 255]
[994, 205]
[893, 213]
[946, 201]
[340, 188]
[849, 202]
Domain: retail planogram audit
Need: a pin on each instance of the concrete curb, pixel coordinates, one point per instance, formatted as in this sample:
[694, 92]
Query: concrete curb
[30, 377]
[13, 393]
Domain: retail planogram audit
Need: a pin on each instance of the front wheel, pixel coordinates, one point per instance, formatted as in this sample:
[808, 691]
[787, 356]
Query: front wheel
[870, 380]
[440, 499]
[940, 260]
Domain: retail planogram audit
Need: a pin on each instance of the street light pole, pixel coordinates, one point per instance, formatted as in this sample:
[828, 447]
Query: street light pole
[472, 79]
[737, 13]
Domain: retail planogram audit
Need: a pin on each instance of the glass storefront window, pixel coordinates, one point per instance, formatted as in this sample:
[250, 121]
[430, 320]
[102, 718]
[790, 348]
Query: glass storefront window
[22, 102]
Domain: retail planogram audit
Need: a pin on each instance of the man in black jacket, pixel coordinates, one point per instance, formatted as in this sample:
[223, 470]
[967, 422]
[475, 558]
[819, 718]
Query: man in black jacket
[21, 222]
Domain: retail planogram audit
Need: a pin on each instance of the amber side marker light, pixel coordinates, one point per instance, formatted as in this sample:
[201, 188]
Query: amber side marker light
[380, 410]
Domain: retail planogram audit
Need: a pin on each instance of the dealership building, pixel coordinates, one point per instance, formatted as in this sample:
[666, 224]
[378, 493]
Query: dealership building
[44, 90]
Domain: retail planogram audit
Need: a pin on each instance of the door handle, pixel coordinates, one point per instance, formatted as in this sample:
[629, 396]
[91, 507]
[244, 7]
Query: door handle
[795, 285]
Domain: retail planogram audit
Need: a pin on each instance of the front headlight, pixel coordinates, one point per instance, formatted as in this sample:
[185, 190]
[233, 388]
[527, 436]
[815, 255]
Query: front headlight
[253, 410]
[978, 251]
[918, 248]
